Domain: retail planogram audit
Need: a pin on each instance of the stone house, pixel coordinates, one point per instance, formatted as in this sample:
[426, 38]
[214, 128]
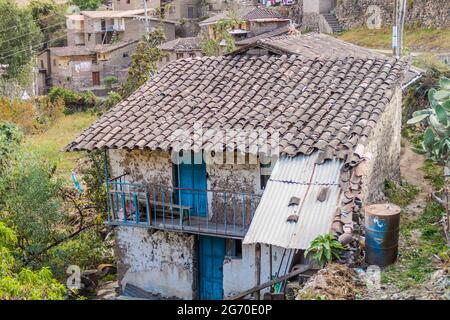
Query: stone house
[179, 9]
[80, 68]
[222, 169]
[100, 44]
[92, 28]
[180, 48]
[254, 21]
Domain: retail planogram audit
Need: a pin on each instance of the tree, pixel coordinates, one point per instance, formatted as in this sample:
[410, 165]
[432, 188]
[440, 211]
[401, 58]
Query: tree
[22, 283]
[20, 39]
[222, 37]
[144, 62]
[87, 4]
[49, 17]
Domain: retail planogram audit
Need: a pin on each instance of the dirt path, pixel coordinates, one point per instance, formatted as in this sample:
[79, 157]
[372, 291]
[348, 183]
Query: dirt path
[410, 168]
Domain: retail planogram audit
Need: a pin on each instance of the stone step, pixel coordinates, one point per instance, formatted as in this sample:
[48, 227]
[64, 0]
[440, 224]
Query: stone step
[333, 22]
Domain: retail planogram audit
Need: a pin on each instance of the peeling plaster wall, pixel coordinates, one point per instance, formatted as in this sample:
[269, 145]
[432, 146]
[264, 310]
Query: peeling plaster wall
[384, 146]
[160, 262]
[239, 274]
[148, 167]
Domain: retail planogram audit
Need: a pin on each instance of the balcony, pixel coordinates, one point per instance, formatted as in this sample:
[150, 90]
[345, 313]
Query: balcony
[206, 212]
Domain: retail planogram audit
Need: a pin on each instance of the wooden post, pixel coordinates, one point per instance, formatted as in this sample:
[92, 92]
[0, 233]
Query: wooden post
[270, 266]
[258, 268]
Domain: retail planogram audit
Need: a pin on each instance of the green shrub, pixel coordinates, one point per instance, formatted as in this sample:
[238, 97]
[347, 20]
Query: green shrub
[24, 284]
[109, 81]
[73, 101]
[324, 248]
[112, 99]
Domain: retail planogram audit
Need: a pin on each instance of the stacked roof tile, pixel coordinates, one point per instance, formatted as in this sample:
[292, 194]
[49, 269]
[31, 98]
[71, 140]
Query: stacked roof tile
[328, 105]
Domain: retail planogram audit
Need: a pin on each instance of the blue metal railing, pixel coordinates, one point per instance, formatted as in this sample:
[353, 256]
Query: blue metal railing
[211, 212]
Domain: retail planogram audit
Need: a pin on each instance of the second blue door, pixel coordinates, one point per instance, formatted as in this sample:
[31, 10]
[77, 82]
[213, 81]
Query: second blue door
[211, 255]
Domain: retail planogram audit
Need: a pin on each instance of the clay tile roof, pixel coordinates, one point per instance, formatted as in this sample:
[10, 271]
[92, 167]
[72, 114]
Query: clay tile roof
[71, 51]
[182, 44]
[112, 13]
[248, 14]
[101, 48]
[314, 45]
[312, 104]
[276, 32]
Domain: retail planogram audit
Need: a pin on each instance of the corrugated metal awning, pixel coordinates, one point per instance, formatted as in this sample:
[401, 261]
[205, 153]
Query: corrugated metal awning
[297, 177]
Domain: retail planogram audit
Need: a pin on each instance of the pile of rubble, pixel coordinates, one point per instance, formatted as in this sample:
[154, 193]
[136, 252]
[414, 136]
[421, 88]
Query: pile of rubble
[334, 282]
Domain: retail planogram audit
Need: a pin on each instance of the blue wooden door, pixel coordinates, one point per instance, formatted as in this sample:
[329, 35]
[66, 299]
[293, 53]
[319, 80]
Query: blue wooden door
[192, 181]
[211, 255]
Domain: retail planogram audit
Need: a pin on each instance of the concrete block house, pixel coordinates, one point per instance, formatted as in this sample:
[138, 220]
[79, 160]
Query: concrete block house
[223, 169]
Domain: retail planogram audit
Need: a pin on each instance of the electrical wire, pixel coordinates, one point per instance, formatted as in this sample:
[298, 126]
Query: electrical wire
[23, 35]
[31, 47]
[43, 18]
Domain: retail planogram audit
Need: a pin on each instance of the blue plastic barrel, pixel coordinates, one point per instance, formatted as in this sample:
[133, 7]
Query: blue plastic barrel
[382, 224]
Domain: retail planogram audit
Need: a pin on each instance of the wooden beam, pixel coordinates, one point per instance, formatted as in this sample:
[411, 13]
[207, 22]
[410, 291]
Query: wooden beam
[258, 288]
[258, 268]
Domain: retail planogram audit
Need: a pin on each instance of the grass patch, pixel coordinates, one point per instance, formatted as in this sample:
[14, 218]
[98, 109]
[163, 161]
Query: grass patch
[50, 144]
[415, 39]
[413, 136]
[434, 173]
[401, 195]
[423, 238]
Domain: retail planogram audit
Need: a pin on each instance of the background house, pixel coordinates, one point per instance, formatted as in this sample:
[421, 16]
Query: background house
[180, 48]
[179, 9]
[105, 27]
[254, 21]
[81, 68]
[100, 44]
[211, 228]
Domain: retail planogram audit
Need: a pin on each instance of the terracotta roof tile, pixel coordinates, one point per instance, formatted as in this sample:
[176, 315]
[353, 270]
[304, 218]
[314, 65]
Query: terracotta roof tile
[297, 98]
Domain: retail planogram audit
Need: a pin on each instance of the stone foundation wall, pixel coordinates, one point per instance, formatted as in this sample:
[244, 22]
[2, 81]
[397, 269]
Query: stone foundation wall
[384, 147]
[420, 13]
[160, 262]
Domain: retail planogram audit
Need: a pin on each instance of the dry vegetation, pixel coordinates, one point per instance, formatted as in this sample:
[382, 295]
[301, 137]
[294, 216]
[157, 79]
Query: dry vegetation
[415, 39]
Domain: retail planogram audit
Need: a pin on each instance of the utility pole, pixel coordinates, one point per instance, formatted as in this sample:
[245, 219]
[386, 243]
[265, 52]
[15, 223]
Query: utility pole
[398, 27]
[147, 26]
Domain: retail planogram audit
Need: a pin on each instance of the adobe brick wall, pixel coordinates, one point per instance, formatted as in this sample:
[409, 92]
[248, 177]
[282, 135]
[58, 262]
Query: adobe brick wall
[384, 146]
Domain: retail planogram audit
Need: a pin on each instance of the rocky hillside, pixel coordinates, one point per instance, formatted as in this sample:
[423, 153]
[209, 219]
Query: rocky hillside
[420, 13]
